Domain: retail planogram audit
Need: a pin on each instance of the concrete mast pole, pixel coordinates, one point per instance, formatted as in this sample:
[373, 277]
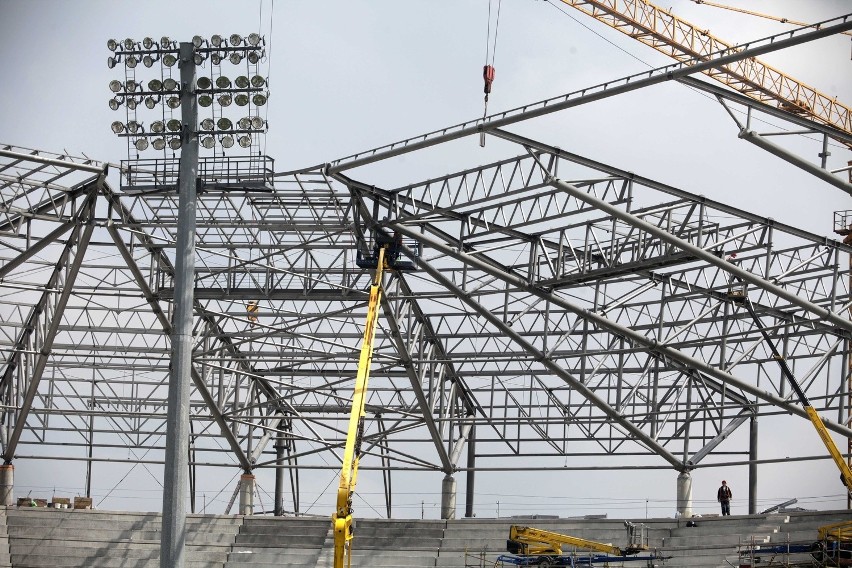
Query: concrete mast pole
[176, 474]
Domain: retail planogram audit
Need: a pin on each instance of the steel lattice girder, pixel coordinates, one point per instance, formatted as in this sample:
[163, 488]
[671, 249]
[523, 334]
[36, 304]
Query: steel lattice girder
[553, 327]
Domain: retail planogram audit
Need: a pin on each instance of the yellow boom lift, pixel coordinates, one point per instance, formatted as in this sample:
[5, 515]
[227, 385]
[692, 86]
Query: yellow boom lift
[548, 545]
[386, 255]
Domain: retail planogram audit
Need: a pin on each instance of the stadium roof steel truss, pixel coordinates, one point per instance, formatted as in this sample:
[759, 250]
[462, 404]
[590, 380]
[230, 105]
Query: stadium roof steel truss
[561, 309]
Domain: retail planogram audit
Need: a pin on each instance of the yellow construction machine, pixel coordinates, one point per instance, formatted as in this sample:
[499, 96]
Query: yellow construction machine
[386, 255]
[532, 546]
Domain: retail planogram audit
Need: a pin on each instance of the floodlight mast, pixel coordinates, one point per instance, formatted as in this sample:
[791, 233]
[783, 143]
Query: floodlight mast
[176, 473]
[187, 96]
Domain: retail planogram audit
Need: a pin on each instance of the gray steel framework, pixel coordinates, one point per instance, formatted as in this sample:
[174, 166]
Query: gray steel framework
[564, 311]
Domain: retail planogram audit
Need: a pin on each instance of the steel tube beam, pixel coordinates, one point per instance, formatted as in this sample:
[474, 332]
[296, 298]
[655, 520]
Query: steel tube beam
[700, 253]
[569, 379]
[51, 162]
[612, 88]
[613, 327]
[752, 467]
[425, 409]
[34, 249]
[50, 335]
[197, 379]
[775, 149]
[176, 473]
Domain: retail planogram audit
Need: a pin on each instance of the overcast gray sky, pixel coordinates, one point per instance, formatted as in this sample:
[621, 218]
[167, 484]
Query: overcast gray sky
[348, 76]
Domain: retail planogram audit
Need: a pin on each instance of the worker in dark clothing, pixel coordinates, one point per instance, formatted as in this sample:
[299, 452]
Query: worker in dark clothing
[724, 496]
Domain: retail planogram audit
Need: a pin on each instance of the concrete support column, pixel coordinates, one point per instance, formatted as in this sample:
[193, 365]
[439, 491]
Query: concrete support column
[684, 494]
[752, 467]
[247, 483]
[7, 485]
[448, 497]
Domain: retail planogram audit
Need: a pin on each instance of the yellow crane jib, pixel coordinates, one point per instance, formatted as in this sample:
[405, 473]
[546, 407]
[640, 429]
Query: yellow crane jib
[342, 517]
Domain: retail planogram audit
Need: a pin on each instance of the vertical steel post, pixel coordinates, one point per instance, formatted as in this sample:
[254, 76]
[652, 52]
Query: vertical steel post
[471, 463]
[752, 467]
[175, 476]
[279, 473]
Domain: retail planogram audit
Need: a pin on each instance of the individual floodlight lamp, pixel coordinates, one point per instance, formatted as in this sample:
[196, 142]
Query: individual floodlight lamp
[235, 57]
[241, 99]
[129, 44]
[205, 100]
[207, 124]
[158, 127]
[117, 127]
[170, 84]
[245, 141]
[227, 141]
[173, 102]
[141, 144]
[203, 83]
[224, 100]
[258, 82]
[159, 143]
[130, 61]
[115, 86]
[115, 102]
[223, 82]
[169, 59]
[155, 85]
[112, 45]
[174, 142]
[224, 124]
[253, 39]
[151, 102]
[216, 40]
[242, 82]
[235, 40]
[148, 43]
[259, 99]
[130, 103]
[197, 41]
[257, 123]
[134, 127]
[173, 125]
[208, 142]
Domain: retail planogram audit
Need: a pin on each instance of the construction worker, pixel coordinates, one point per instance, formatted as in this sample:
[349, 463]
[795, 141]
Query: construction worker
[724, 496]
[252, 308]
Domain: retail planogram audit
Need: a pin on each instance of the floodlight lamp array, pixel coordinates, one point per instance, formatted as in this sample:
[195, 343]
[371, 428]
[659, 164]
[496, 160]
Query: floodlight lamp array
[213, 90]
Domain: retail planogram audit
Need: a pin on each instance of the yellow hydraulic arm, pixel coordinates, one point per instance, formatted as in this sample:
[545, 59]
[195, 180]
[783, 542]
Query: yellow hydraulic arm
[845, 472]
[342, 518]
[683, 41]
[533, 542]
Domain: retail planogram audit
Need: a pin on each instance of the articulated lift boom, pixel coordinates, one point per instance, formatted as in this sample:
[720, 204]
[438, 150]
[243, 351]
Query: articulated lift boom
[387, 255]
[342, 518]
[845, 472]
[530, 541]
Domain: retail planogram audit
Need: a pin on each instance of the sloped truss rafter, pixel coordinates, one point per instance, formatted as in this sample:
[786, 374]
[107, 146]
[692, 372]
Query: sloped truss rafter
[562, 308]
[668, 344]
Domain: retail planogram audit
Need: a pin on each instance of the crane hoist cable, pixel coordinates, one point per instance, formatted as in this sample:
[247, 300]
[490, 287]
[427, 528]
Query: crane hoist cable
[488, 68]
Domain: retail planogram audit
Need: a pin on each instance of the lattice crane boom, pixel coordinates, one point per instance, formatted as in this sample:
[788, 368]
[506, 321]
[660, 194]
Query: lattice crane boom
[684, 41]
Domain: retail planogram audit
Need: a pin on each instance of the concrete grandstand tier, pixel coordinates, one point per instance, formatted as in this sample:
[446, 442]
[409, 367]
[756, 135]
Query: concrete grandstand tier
[48, 538]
